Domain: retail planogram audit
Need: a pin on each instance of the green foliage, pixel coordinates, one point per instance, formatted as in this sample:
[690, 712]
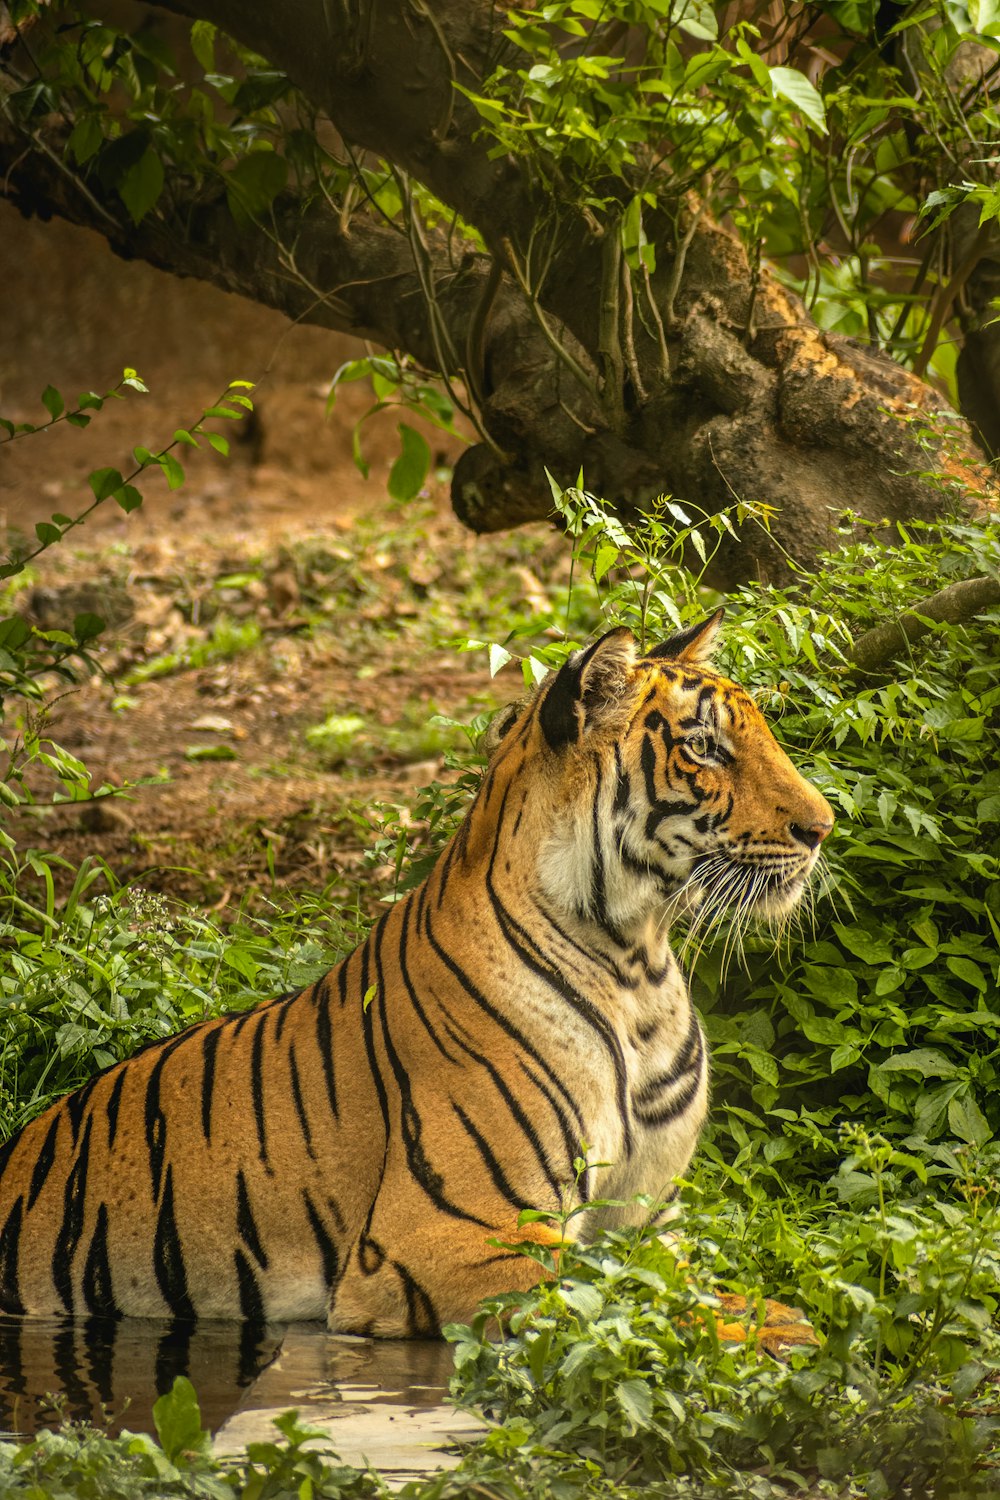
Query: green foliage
[616, 1373]
[395, 383]
[88, 980]
[79, 1461]
[815, 131]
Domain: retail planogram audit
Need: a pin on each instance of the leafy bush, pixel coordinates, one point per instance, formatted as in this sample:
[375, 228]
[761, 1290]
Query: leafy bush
[616, 1369]
[101, 978]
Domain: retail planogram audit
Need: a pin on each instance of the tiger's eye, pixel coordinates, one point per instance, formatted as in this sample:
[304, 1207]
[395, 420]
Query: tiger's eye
[699, 743]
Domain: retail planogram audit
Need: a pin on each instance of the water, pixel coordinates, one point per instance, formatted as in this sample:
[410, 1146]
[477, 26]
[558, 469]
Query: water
[379, 1401]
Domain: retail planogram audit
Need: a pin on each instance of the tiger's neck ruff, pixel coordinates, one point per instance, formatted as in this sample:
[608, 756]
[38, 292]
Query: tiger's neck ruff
[362, 1150]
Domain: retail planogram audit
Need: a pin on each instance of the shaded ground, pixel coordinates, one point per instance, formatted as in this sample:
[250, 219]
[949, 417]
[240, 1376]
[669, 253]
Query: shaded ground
[271, 592]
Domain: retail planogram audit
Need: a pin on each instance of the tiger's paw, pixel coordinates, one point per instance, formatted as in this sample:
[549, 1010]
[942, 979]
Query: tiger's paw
[783, 1328]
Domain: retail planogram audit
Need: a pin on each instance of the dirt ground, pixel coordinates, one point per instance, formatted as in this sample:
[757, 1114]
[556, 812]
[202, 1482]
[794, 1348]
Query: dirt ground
[243, 609]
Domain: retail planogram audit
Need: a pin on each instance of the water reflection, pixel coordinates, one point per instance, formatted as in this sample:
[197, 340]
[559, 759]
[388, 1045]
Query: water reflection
[100, 1368]
[378, 1400]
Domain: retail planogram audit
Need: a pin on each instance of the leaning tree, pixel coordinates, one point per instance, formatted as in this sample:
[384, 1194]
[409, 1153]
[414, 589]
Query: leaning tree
[711, 250]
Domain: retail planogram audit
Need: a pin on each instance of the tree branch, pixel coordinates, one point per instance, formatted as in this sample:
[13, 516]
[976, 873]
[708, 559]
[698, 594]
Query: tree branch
[949, 606]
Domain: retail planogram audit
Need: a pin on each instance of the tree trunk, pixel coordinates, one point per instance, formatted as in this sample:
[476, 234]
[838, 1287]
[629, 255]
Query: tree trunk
[710, 382]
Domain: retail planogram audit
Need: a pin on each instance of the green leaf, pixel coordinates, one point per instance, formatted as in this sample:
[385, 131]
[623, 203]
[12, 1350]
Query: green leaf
[636, 1401]
[142, 185]
[53, 402]
[128, 497]
[928, 1062]
[410, 469]
[219, 443]
[254, 183]
[85, 139]
[47, 533]
[178, 1422]
[172, 469]
[203, 44]
[964, 968]
[104, 482]
[87, 626]
[988, 810]
[967, 1120]
[790, 84]
[498, 659]
[864, 945]
[582, 1298]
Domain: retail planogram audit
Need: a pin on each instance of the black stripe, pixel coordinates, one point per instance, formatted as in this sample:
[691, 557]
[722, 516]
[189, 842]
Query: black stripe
[173, 1356]
[7, 1150]
[512, 1104]
[411, 1126]
[209, 1049]
[442, 869]
[676, 1107]
[324, 1041]
[66, 1365]
[371, 1256]
[114, 1104]
[283, 1006]
[327, 1246]
[422, 1321]
[299, 1102]
[341, 982]
[367, 1024]
[10, 1244]
[155, 1119]
[501, 1020]
[623, 783]
[490, 1162]
[257, 1088]
[594, 958]
[97, 1291]
[518, 937]
[410, 990]
[71, 1228]
[99, 1338]
[251, 1302]
[237, 1024]
[573, 1143]
[246, 1224]
[75, 1105]
[689, 1056]
[43, 1162]
[168, 1255]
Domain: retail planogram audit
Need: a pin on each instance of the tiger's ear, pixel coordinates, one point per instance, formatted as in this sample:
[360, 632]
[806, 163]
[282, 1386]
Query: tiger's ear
[587, 686]
[499, 726]
[693, 645]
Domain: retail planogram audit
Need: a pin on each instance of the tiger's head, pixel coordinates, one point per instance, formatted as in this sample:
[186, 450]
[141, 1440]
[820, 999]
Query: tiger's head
[661, 788]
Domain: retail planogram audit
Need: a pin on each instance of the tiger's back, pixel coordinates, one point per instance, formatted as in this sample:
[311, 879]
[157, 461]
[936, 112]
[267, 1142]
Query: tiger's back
[356, 1150]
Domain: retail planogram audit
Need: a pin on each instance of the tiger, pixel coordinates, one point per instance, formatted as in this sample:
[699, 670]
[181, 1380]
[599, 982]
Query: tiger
[516, 1033]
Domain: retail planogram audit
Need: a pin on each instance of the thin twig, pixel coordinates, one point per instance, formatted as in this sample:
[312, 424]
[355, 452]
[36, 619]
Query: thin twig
[628, 332]
[558, 348]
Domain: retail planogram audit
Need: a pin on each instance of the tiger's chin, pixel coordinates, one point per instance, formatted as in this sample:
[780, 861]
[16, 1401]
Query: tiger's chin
[773, 905]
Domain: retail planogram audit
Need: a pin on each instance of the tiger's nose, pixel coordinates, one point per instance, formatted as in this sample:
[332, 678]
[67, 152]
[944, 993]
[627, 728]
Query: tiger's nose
[813, 834]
